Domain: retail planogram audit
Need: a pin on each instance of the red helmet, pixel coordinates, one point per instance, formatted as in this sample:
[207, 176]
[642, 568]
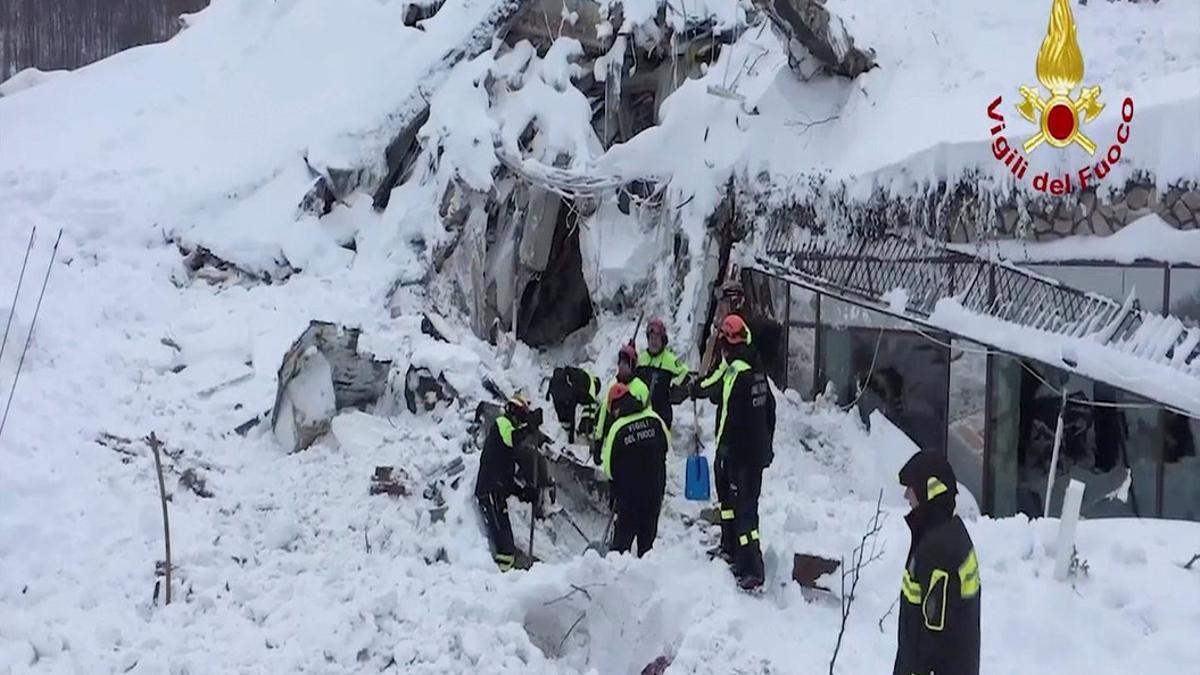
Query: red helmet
[616, 392]
[733, 329]
[628, 353]
[656, 327]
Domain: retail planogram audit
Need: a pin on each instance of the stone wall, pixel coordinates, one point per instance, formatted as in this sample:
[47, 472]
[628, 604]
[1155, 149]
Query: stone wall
[1089, 213]
[970, 210]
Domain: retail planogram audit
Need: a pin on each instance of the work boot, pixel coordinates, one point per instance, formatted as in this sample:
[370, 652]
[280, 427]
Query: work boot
[750, 583]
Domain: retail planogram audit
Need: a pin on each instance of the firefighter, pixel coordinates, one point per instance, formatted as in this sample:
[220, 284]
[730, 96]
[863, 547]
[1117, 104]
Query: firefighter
[745, 447]
[662, 371]
[496, 481]
[938, 629]
[575, 388]
[634, 458]
[626, 364]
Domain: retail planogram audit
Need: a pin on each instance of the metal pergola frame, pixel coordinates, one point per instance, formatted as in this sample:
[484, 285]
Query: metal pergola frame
[849, 270]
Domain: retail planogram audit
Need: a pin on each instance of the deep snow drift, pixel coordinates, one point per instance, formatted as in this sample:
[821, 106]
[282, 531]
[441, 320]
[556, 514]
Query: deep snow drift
[290, 566]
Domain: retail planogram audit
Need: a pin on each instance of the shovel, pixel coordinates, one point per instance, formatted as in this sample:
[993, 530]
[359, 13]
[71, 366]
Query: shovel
[597, 546]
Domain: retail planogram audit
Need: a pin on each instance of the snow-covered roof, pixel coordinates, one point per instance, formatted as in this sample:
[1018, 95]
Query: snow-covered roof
[1148, 238]
[998, 305]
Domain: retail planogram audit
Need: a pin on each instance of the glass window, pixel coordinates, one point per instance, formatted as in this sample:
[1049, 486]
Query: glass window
[767, 298]
[968, 375]
[1181, 467]
[1185, 295]
[1112, 281]
[842, 314]
[1110, 450]
[1004, 420]
[901, 373]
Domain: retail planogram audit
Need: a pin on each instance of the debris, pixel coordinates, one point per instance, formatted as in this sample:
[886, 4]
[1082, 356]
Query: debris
[657, 666]
[306, 406]
[420, 386]
[201, 263]
[333, 375]
[436, 327]
[807, 569]
[194, 481]
[809, 30]
[118, 444]
[245, 427]
[388, 481]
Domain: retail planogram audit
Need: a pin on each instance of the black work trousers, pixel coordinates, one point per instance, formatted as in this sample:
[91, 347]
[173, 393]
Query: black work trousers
[725, 497]
[638, 505]
[494, 509]
[745, 487]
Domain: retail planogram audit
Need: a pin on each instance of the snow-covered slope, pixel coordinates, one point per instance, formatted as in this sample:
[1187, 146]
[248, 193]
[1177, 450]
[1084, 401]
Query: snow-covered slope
[290, 566]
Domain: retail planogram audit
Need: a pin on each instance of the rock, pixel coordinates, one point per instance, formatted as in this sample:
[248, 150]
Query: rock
[422, 389]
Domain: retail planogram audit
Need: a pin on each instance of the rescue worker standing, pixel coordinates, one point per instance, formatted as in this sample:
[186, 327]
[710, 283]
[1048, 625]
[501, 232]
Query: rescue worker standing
[745, 447]
[495, 481]
[634, 458]
[661, 370]
[626, 363]
[940, 592]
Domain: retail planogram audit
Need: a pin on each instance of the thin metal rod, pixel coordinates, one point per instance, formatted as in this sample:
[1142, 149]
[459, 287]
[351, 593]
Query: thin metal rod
[16, 294]
[29, 338]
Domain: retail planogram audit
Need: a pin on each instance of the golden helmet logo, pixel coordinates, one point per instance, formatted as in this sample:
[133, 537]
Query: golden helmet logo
[1060, 69]
[1059, 118]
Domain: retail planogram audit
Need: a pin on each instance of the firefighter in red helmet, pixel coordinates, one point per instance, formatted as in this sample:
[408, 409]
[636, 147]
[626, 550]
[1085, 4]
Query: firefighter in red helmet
[626, 365]
[633, 456]
[745, 446]
[662, 371]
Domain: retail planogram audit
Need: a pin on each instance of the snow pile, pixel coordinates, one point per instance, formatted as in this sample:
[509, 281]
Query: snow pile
[1147, 238]
[28, 79]
[290, 565]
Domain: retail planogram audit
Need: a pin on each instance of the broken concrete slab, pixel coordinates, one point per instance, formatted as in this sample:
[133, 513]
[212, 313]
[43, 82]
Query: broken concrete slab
[807, 569]
[436, 327]
[388, 480]
[352, 380]
[809, 30]
[424, 391]
[201, 264]
[306, 405]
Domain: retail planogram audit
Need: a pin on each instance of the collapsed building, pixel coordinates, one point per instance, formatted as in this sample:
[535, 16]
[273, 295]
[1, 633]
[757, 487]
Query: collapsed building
[550, 157]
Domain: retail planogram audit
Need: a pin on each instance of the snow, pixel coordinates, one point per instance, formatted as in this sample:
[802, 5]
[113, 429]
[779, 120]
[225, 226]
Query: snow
[291, 566]
[1147, 238]
[28, 79]
[1136, 372]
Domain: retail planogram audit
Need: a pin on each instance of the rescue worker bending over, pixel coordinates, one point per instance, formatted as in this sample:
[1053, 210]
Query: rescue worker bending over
[495, 481]
[745, 446]
[626, 363]
[940, 591]
[634, 458]
[662, 371]
[572, 388]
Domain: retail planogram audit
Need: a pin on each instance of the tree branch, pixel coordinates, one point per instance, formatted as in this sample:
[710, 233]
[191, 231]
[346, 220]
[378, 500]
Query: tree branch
[804, 126]
[859, 559]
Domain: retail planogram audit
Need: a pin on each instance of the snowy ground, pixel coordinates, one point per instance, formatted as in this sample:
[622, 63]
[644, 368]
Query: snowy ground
[290, 567]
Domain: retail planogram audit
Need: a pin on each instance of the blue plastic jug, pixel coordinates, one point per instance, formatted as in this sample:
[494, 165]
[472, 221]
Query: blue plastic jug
[696, 487]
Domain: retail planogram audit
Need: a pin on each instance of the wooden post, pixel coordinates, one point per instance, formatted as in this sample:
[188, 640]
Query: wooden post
[155, 445]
